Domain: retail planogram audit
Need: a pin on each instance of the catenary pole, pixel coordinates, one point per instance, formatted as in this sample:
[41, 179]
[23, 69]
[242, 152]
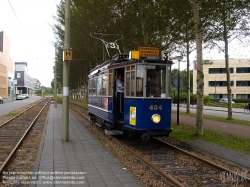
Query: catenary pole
[55, 83]
[65, 111]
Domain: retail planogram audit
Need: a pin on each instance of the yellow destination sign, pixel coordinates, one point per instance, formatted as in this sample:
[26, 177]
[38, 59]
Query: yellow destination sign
[148, 51]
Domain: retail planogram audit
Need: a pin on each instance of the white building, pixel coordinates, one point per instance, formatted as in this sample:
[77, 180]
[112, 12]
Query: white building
[215, 78]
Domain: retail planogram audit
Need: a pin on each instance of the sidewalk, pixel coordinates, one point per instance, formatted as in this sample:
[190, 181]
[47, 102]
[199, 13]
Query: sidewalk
[82, 159]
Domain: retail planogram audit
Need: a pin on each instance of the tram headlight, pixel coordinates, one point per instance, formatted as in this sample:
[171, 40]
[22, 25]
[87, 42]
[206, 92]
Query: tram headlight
[156, 118]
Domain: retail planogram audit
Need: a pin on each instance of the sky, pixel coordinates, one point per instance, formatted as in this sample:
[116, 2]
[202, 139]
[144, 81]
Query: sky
[28, 25]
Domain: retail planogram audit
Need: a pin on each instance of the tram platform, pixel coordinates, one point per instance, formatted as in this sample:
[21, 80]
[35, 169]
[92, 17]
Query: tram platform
[81, 161]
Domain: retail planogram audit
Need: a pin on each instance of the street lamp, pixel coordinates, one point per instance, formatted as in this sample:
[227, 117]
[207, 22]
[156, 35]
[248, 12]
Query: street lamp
[214, 90]
[179, 58]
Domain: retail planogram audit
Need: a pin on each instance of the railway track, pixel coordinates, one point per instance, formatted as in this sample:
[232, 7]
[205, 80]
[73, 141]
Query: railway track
[177, 166]
[184, 167]
[14, 131]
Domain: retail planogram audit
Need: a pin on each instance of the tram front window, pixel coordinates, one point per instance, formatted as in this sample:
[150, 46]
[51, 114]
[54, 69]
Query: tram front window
[155, 81]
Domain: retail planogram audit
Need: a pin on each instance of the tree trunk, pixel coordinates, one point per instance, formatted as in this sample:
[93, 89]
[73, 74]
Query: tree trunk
[200, 75]
[188, 81]
[229, 90]
[143, 24]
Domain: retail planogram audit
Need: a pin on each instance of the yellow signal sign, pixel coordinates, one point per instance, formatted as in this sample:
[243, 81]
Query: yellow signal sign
[67, 55]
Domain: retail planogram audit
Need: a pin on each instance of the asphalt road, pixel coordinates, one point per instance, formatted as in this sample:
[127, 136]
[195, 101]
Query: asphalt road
[10, 105]
[238, 113]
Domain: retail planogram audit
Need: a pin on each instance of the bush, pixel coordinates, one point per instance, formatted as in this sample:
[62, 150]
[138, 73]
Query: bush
[207, 99]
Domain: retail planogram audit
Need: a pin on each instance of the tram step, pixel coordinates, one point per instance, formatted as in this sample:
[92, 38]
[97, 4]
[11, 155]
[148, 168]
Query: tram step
[113, 132]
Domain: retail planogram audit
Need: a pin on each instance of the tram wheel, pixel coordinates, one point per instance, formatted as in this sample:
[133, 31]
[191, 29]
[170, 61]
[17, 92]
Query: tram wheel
[145, 137]
[93, 119]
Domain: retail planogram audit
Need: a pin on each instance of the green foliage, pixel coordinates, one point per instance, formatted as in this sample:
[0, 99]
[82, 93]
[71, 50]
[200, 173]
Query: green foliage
[193, 98]
[11, 114]
[78, 102]
[47, 91]
[183, 76]
[206, 99]
[38, 92]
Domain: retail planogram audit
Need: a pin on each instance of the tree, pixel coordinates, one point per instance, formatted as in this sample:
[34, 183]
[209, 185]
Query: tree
[184, 26]
[122, 17]
[228, 21]
[200, 75]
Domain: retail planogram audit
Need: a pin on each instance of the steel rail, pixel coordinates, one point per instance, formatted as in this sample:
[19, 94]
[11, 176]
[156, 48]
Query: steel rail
[219, 167]
[22, 138]
[166, 177]
[20, 113]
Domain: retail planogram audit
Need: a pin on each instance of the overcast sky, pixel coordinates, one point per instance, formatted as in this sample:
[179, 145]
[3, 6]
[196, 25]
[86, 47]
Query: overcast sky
[27, 23]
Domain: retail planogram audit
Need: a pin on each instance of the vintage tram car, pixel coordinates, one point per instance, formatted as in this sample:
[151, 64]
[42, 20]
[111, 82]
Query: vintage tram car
[144, 108]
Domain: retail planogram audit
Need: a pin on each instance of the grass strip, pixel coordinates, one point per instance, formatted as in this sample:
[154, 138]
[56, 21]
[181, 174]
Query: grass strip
[184, 132]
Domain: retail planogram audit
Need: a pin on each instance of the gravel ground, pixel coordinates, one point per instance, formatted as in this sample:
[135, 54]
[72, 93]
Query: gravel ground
[26, 154]
[25, 157]
[131, 163]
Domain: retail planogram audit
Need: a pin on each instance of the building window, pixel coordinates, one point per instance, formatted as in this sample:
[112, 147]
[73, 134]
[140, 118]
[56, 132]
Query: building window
[242, 96]
[219, 83]
[18, 75]
[219, 70]
[243, 70]
[242, 83]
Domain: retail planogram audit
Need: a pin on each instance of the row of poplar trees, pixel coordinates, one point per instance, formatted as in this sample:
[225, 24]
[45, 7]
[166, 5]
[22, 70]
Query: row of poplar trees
[171, 25]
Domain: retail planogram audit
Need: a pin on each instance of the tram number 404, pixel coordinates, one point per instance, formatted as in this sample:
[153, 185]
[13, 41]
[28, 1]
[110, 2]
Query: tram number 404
[155, 107]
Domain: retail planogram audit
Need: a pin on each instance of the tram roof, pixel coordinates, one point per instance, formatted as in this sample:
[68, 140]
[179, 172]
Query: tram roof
[123, 60]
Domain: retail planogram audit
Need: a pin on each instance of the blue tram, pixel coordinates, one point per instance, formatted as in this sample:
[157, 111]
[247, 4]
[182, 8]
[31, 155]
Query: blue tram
[144, 106]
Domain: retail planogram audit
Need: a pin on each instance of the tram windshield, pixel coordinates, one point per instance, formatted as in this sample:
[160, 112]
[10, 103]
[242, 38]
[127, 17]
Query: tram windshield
[155, 80]
[147, 81]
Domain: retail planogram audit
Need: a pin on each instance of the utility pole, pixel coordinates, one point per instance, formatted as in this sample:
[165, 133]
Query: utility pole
[55, 82]
[66, 63]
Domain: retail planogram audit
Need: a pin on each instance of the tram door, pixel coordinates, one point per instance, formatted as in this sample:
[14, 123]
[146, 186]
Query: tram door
[119, 94]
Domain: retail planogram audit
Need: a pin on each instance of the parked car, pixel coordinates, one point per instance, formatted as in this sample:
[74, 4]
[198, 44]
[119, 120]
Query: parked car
[27, 95]
[1, 100]
[24, 96]
[225, 100]
[19, 97]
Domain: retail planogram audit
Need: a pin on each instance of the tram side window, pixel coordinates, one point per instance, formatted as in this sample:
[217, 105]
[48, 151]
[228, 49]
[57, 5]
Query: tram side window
[140, 71]
[94, 86]
[99, 86]
[132, 83]
[90, 87]
[110, 82]
[105, 85]
[127, 84]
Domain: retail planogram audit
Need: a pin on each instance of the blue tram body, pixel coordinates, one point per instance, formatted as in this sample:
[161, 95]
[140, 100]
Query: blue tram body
[144, 108]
